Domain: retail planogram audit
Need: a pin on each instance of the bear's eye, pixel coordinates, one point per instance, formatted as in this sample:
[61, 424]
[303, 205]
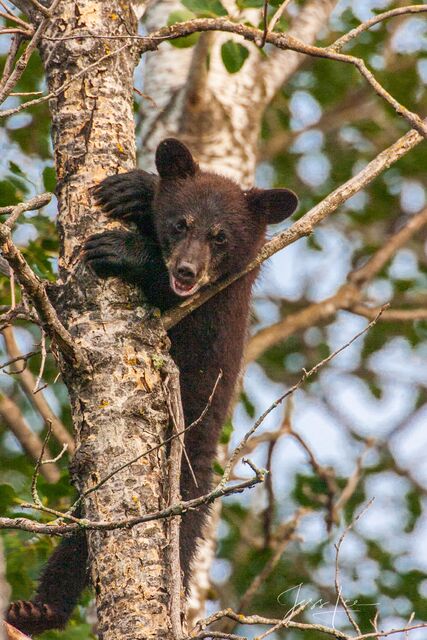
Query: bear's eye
[220, 238]
[181, 225]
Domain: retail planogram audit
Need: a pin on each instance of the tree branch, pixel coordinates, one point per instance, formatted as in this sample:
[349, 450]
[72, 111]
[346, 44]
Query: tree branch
[334, 633]
[284, 42]
[24, 524]
[305, 225]
[281, 41]
[30, 442]
[31, 8]
[347, 297]
[22, 63]
[364, 26]
[34, 287]
[38, 400]
[387, 251]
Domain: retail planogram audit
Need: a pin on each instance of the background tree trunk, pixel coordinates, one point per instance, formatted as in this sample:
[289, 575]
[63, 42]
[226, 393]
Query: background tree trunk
[117, 400]
[219, 115]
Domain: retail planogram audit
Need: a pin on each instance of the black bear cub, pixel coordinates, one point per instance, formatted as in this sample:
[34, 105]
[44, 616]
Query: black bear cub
[193, 228]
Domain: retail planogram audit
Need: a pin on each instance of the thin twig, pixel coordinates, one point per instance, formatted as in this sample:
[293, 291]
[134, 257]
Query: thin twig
[35, 288]
[53, 94]
[297, 385]
[11, 16]
[338, 587]
[37, 6]
[42, 361]
[278, 14]
[9, 82]
[34, 479]
[334, 633]
[364, 26]
[23, 524]
[13, 419]
[261, 42]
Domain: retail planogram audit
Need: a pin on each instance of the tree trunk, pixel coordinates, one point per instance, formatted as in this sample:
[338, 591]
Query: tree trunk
[117, 398]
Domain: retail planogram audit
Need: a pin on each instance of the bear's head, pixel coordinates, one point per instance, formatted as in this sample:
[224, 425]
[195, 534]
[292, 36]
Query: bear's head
[207, 226]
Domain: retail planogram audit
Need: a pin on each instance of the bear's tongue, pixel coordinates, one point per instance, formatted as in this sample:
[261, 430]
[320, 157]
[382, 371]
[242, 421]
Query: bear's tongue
[182, 289]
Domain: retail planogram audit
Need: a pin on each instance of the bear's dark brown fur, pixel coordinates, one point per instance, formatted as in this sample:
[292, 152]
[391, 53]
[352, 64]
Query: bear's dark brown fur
[193, 228]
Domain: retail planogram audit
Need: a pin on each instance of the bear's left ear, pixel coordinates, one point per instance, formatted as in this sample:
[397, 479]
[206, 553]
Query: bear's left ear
[174, 160]
[274, 204]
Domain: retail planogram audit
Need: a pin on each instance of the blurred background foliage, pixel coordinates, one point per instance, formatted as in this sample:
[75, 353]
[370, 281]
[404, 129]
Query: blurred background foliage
[320, 129]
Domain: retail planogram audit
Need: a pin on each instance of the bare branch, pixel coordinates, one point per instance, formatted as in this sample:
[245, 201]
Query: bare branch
[10, 59]
[11, 16]
[31, 205]
[22, 63]
[278, 14]
[305, 225]
[338, 587]
[23, 524]
[53, 94]
[391, 315]
[34, 479]
[364, 26]
[349, 296]
[30, 442]
[388, 250]
[31, 8]
[289, 392]
[38, 400]
[285, 42]
[35, 289]
[334, 633]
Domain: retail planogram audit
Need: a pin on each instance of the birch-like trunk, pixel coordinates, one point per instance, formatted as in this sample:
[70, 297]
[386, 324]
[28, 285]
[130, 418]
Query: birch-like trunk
[118, 402]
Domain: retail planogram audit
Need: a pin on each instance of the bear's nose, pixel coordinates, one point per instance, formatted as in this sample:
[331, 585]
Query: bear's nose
[186, 272]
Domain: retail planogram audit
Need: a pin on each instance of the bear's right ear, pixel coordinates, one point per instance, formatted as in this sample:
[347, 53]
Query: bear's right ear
[274, 204]
[174, 160]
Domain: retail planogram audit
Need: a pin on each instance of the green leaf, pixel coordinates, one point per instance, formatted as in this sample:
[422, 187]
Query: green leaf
[49, 179]
[205, 8]
[182, 16]
[226, 432]
[250, 4]
[233, 55]
[313, 243]
[8, 497]
[8, 194]
[249, 407]
[217, 468]
[13, 168]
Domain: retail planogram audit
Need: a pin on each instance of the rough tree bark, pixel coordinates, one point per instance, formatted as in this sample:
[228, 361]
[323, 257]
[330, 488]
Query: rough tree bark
[117, 396]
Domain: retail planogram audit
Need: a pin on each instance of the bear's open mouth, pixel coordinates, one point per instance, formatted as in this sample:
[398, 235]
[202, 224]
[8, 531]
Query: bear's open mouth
[181, 288]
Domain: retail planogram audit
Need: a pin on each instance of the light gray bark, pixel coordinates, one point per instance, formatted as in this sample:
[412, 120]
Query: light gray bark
[118, 403]
[218, 114]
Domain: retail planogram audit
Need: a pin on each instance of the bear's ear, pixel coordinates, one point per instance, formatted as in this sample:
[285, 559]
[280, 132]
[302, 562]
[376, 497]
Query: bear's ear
[174, 160]
[274, 204]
